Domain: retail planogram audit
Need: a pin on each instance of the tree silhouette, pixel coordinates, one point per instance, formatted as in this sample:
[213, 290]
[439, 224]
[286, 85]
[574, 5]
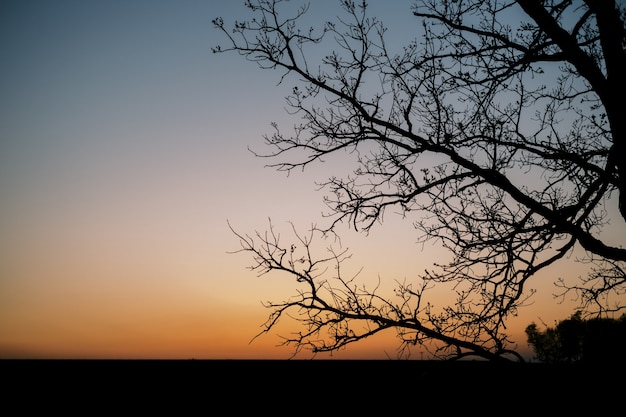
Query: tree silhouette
[499, 129]
[575, 339]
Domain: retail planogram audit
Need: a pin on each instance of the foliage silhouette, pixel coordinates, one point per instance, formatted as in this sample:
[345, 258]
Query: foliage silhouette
[577, 340]
[499, 129]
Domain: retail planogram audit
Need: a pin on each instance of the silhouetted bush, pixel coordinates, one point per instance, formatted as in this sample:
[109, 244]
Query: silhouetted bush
[578, 340]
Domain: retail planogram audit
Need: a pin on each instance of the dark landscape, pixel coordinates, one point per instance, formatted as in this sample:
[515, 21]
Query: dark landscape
[303, 386]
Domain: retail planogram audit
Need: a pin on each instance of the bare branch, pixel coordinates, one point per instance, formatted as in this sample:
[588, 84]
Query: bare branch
[498, 129]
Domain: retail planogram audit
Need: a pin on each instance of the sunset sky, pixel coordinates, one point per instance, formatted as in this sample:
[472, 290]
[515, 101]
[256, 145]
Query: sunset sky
[123, 154]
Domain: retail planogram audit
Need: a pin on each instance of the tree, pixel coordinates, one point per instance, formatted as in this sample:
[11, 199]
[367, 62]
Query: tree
[578, 340]
[499, 130]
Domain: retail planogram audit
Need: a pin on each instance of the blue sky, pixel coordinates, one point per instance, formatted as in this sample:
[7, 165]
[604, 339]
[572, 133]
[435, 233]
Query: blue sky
[123, 152]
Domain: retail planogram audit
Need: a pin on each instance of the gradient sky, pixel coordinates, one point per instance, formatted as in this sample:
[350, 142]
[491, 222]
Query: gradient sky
[123, 153]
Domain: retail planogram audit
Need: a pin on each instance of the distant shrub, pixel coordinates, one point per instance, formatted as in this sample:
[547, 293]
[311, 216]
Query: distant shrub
[579, 340]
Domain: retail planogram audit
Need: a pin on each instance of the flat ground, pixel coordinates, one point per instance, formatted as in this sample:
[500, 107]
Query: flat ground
[306, 387]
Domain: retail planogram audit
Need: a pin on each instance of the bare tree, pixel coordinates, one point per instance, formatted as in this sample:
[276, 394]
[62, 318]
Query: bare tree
[499, 129]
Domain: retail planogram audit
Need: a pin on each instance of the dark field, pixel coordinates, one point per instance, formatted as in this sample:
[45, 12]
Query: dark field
[309, 387]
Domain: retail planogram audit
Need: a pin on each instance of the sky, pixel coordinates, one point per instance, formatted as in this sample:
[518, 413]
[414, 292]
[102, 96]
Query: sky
[123, 155]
